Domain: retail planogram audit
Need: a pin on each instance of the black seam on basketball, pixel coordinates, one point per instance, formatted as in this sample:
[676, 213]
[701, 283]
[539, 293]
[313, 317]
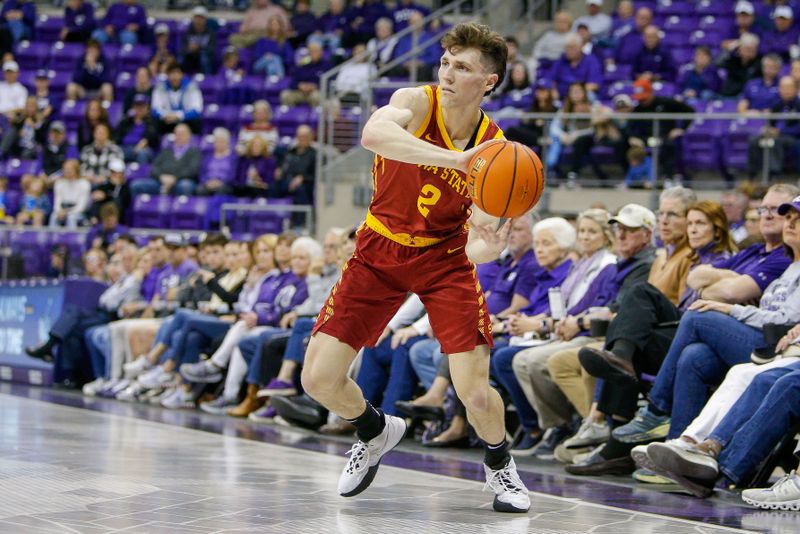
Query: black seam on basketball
[535, 195]
[513, 180]
[486, 173]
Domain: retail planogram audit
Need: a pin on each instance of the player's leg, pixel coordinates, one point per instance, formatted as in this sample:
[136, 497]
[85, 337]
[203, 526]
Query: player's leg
[325, 376]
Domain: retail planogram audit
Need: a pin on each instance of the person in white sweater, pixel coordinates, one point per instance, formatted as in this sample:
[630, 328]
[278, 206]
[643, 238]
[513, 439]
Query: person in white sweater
[550, 46]
[72, 196]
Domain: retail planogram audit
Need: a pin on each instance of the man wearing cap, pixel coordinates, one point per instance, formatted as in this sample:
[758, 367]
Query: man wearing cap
[138, 134]
[115, 190]
[783, 35]
[783, 132]
[199, 44]
[741, 64]
[670, 131]
[575, 67]
[599, 23]
[12, 93]
[79, 21]
[54, 151]
[745, 23]
[45, 101]
[123, 23]
[177, 99]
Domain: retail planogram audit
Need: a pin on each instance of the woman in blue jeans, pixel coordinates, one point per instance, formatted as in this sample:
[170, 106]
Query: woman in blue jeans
[715, 336]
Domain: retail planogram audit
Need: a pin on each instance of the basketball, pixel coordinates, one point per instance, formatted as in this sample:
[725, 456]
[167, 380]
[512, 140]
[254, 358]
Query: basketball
[505, 178]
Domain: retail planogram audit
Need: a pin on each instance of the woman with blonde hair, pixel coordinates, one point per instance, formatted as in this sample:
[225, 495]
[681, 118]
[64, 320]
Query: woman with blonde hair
[256, 168]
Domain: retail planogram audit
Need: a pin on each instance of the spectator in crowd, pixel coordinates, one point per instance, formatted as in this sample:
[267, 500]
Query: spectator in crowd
[700, 79]
[143, 85]
[256, 21]
[94, 115]
[162, 56]
[401, 16]
[232, 69]
[92, 77]
[740, 279]
[631, 43]
[427, 57]
[362, 17]
[199, 44]
[531, 131]
[123, 23]
[670, 130]
[352, 82]
[46, 101]
[565, 131]
[745, 19]
[114, 190]
[599, 23]
[782, 133]
[103, 234]
[26, 133]
[274, 54]
[513, 57]
[256, 169]
[604, 131]
[331, 26]
[175, 170]
[304, 87]
[79, 21]
[735, 205]
[72, 195]
[741, 64]
[550, 46]
[762, 93]
[260, 127]
[177, 100]
[303, 22]
[575, 67]
[218, 170]
[12, 93]
[653, 61]
[96, 157]
[54, 151]
[623, 20]
[34, 206]
[640, 169]
[138, 133]
[516, 86]
[295, 177]
[20, 18]
[381, 46]
[783, 35]
[751, 223]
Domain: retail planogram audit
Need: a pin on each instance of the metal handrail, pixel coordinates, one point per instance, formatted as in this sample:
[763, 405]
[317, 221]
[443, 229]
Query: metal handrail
[268, 208]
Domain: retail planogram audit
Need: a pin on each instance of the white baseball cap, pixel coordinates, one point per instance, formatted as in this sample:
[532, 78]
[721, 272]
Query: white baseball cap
[594, 2]
[784, 12]
[743, 6]
[199, 11]
[116, 165]
[635, 216]
[11, 65]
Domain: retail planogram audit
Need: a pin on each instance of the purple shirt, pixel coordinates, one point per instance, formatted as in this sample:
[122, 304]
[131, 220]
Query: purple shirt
[150, 282]
[705, 256]
[760, 95]
[81, 19]
[656, 60]
[278, 295]
[309, 72]
[173, 277]
[563, 74]
[779, 42]
[402, 13]
[545, 280]
[628, 47]
[120, 15]
[757, 263]
[223, 168]
[134, 135]
[708, 80]
[508, 277]
[179, 151]
[487, 272]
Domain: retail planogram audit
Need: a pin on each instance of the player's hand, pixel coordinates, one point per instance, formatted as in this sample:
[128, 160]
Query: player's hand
[402, 336]
[495, 239]
[465, 157]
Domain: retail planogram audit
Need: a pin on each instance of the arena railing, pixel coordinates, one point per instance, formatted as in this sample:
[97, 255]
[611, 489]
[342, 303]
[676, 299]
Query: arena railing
[309, 224]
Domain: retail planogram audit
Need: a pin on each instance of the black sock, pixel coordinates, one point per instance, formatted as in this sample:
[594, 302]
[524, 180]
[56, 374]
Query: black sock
[654, 410]
[496, 456]
[624, 349]
[369, 424]
[51, 341]
[616, 449]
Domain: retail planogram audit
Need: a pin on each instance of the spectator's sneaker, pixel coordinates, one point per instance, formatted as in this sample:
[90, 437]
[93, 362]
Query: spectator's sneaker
[263, 415]
[112, 387]
[203, 372]
[219, 406]
[178, 399]
[93, 388]
[567, 456]
[510, 494]
[156, 377]
[277, 388]
[527, 444]
[783, 495]
[136, 367]
[156, 395]
[589, 434]
[130, 393]
[645, 476]
[686, 459]
[365, 458]
[646, 426]
[552, 439]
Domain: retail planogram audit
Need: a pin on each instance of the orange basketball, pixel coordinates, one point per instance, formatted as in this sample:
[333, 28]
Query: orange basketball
[505, 178]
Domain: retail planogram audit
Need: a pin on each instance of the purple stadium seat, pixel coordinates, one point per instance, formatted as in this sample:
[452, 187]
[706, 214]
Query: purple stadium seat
[131, 57]
[242, 91]
[615, 73]
[287, 119]
[262, 223]
[680, 24]
[618, 88]
[236, 220]
[682, 56]
[151, 211]
[31, 55]
[34, 247]
[715, 23]
[15, 169]
[734, 146]
[211, 86]
[189, 213]
[674, 7]
[272, 88]
[12, 201]
[72, 113]
[48, 28]
[672, 40]
[722, 106]
[59, 81]
[114, 112]
[64, 56]
[74, 241]
[701, 144]
[703, 38]
[111, 53]
[666, 89]
[713, 7]
[215, 115]
[137, 171]
[125, 81]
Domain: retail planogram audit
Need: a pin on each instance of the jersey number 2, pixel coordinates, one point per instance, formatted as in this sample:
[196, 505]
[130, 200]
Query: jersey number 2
[429, 196]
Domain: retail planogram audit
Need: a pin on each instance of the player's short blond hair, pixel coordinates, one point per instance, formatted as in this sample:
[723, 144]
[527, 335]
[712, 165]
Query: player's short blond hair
[492, 46]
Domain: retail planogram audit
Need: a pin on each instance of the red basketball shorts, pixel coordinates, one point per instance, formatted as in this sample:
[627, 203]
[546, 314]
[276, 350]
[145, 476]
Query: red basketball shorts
[378, 278]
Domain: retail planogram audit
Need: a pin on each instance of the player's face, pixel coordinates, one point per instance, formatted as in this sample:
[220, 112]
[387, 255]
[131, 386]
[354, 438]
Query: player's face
[699, 229]
[590, 236]
[671, 220]
[548, 252]
[463, 78]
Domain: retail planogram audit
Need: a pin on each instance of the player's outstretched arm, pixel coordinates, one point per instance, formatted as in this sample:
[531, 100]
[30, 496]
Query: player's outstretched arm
[487, 238]
[387, 132]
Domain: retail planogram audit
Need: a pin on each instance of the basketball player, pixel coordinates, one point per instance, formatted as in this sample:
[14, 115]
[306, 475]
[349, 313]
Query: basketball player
[414, 240]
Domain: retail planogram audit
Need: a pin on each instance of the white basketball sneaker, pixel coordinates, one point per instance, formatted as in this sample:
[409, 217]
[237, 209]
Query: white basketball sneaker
[510, 494]
[365, 458]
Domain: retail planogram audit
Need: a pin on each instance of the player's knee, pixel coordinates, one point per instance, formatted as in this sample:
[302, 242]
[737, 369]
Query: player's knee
[477, 399]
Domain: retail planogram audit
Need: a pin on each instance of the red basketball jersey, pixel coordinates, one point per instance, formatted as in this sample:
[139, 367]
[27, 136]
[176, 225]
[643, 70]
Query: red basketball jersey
[421, 205]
